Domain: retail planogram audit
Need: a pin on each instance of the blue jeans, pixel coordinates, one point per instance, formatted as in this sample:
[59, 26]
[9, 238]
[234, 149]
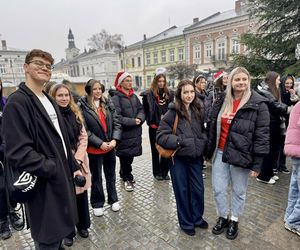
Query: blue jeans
[187, 180]
[292, 213]
[224, 174]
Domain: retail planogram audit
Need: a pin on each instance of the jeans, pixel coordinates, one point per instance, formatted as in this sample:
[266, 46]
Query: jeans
[160, 165]
[187, 180]
[292, 213]
[224, 174]
[108, 161]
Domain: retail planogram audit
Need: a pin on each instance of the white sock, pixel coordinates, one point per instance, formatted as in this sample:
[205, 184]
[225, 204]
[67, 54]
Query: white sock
[233, 218]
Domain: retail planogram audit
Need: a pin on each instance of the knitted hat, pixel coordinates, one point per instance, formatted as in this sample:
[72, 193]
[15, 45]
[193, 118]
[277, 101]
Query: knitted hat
[160, 71]
[218, 75]
[121, 76]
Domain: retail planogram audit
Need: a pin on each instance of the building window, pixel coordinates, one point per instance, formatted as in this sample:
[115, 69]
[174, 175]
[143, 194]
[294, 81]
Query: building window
[163, 56]
[122, 64]
[197, 51]
[208, 50]
[83, 71]
[221, 50]
[180, 54]
[148, 59]
[2, 68]
[132, 62]
[155, 57]
[92, 70]
[149, 79]
[235, 46]
[139, 62]
[172, 55]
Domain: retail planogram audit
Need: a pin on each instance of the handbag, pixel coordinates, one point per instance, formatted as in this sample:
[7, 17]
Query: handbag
[19, 185]
[168, 153]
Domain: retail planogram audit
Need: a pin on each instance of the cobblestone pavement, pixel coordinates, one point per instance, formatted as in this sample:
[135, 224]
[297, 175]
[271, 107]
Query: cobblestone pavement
[148, 220]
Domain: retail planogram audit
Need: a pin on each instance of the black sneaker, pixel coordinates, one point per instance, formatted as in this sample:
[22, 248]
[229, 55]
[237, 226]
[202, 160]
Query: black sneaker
[5, 232]
[233, 230]
[16, 222]
[284, 170]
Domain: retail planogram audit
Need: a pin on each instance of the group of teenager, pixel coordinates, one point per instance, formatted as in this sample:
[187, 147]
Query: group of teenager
[60, 140]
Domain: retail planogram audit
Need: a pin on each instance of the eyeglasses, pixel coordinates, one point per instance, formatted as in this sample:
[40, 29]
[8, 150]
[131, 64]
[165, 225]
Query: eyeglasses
[41, 65]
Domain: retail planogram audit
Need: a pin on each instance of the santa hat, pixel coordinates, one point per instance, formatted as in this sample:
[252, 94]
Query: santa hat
[120, 77]
[160, 71]
[219, 74]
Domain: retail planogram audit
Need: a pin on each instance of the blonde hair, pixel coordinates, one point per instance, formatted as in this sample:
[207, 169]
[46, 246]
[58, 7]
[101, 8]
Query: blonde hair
[75, 109]
[229, 98]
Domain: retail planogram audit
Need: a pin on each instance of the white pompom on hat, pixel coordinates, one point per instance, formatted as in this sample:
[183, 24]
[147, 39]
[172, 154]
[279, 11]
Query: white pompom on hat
[160, 71]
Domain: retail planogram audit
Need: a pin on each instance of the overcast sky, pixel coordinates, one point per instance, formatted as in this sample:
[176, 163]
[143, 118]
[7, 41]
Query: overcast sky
[27, 24]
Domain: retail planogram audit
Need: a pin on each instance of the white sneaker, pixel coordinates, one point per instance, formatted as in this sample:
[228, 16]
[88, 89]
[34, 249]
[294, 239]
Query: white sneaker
[115, 207]
[271, 181]
[98, 211]
[275, 178]
[128, 186]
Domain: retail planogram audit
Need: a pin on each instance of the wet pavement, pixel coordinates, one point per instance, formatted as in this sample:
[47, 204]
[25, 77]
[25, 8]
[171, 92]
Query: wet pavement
[148, 220]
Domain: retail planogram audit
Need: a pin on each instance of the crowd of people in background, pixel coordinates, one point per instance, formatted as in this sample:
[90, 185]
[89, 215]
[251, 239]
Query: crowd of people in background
[65, 140]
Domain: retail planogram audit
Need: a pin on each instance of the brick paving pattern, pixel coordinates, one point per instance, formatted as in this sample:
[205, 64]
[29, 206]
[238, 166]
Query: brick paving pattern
[148, 220]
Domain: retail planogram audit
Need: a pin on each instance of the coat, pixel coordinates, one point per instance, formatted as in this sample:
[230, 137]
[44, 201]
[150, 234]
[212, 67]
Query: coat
[81, 156]
[33, 144]
[190, 137]
[248, 137]
[292, 139]
[95, 131]
[129, 108]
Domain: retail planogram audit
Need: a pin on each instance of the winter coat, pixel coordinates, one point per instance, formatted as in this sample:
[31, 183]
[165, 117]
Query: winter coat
[190, 137]
[93, 126]
[248, 136]
[33, 144]
[206, 102]
[151, 107]
[81, 156]
[129, 108]
[292, 139]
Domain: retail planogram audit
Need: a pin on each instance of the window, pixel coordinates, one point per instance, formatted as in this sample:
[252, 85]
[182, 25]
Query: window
[155, 57]
[2, 68]
[172, 55]
[197, 51]
[163, 56]
[235, 46]
[132, 62]
[180, 54]
[149, 79]
[83, 71]
[148, 59]
[208, 49]
[221, 50]
[139, 62]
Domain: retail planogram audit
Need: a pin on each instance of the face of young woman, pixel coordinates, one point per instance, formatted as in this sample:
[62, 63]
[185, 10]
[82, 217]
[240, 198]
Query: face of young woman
[277, 82]
[225, 79]
[187, 94]
[62, 97]
[240, 83]
[288, 84]
[161, 82]
[97, 91]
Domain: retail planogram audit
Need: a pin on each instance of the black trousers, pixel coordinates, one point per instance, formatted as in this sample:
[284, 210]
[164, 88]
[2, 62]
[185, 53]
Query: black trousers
[108, 161]
[43, 246]
[160, 165]
[3, 205]
[126, 168]
[282, 157]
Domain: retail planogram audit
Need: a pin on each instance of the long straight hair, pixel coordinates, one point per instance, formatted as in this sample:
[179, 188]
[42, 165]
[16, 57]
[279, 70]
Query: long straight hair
[229, 98]
[194, 106]
[90, 97]
[154, 85]
[270, 79]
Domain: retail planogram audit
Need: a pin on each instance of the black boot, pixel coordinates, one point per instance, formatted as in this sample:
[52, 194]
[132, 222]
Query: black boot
[233, 230]
[16, 222]
[219, 228]
[5, 232]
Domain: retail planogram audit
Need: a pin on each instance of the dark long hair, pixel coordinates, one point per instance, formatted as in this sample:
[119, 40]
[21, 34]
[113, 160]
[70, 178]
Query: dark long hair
[270, 79]
[154, 85]
[194, 106]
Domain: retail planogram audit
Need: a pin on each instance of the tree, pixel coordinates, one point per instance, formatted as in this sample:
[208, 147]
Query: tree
[105, 41]
[180, 71]
[272, 46]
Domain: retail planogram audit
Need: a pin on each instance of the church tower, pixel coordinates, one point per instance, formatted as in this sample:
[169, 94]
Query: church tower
[71, 51]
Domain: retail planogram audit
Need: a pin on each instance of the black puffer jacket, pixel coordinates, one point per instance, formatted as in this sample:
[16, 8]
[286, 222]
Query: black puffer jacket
[95, 131]
[151, 107]
[129, 108]
[190, 137]
[248, 137]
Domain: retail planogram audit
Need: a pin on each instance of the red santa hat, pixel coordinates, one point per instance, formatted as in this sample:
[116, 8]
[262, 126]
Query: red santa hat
[219, 74]
[121, 76]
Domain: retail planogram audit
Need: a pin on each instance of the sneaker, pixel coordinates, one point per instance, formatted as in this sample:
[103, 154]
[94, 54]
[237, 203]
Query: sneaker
[5, 232]
[16, 222]
[284, 171]
[128, 186]
[271, 181]
[275, 178]
[275, 171]
[84, 233]
[98, 211]
[159, 178]
[115, 207]
[291, 229]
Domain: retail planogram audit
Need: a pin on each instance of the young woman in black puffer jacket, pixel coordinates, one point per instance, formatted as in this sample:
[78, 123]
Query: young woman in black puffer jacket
[185, 169]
